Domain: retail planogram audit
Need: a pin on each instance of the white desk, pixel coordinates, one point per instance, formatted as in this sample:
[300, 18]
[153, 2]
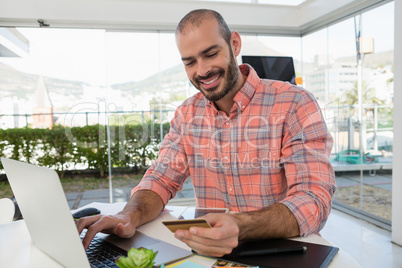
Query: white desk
[16, 249]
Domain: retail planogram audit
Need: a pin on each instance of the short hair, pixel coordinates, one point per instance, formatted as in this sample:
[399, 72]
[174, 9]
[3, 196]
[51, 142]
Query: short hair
[197, 16]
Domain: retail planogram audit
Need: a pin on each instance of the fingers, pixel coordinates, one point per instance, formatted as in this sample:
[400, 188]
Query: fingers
[117, 224]
[224, 226]
[214, 251]
[216, 241]
[82, 223]
[94, 225]
[205, 246]
[218, 232]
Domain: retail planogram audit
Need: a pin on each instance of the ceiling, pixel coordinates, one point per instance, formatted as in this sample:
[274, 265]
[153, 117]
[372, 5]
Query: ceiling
[150, 15]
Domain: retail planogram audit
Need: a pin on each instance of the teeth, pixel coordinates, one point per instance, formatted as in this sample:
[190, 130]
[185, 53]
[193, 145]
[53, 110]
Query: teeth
[210, 82]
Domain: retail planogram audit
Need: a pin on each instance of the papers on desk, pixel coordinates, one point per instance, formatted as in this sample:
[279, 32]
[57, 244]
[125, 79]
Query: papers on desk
[199, 261]
[215, 264]
[186, 264]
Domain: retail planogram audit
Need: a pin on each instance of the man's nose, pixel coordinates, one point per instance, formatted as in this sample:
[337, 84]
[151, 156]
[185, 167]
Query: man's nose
[203, 68]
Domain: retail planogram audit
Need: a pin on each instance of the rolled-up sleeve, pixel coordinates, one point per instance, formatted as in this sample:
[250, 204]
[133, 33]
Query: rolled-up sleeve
[167, 174]
[305, 153]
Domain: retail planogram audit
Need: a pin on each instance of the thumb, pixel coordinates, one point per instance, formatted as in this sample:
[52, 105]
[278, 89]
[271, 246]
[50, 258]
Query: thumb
[212, 218]
[124, 230]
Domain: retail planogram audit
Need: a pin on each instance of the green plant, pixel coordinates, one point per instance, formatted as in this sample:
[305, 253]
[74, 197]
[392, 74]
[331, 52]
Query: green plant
[137, 258]
[58, 151]
[63, 148]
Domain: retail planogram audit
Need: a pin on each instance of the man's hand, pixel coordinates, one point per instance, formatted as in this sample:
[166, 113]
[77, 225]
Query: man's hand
[274, 221]
[216, 241]
[119, 224]
[142, 207]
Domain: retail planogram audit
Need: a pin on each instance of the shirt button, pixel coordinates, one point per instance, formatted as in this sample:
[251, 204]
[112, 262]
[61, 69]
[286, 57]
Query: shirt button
[226, 157]
[243, 107]
[230, 189]
[227, 123]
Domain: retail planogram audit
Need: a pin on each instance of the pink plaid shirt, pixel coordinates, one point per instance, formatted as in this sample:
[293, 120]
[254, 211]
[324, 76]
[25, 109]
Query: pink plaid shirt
[273, 147]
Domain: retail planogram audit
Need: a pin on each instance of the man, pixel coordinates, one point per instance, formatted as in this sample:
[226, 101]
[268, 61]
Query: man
[257, 147]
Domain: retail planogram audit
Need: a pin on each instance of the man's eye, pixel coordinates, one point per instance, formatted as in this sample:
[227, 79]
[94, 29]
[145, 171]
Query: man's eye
[189, 63]
[212, 55]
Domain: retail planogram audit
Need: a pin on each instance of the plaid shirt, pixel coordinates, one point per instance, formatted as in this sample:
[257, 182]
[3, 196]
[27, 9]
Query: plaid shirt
[273, 147]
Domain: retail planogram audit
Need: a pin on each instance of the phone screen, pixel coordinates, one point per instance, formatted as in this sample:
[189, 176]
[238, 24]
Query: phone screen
[193, 213]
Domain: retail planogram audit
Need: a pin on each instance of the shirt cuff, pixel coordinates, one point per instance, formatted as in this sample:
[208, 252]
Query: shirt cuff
[155, 187]
[305, 211]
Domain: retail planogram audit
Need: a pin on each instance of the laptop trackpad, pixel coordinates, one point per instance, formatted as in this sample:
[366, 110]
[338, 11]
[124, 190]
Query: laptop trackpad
[137, 241]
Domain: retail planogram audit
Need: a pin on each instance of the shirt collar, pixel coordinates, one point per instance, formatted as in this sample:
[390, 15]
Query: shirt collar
[246, 93]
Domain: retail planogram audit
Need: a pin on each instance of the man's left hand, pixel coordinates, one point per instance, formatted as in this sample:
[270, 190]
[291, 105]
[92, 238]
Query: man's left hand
[216, 241]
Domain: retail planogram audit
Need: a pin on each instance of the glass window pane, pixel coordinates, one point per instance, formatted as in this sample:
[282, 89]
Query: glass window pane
[61, 79]
[362, 153]
[315, 60]
[342, 102]
[377, 76]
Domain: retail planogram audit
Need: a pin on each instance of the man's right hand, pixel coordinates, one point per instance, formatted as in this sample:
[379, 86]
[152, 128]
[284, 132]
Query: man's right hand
[143, 206]
[119, 224]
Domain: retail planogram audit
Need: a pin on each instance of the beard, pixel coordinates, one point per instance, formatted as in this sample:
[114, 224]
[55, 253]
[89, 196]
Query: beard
[229, 76]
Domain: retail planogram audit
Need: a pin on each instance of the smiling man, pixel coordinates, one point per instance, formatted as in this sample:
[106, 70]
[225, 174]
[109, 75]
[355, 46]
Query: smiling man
[258, 147]
[209, 59]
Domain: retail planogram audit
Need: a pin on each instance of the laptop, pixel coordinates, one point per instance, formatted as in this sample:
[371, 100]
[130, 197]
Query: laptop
[50, 223]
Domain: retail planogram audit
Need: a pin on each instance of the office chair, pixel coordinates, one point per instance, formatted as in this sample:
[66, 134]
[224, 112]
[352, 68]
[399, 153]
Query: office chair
[7, 210]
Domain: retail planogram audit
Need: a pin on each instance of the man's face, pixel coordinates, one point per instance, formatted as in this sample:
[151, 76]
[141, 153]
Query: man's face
[208, 60]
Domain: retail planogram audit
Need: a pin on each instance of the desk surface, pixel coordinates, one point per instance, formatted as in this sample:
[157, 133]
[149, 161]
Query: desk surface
[17, 250]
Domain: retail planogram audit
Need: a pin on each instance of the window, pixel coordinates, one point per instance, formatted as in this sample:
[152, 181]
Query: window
[362, 153]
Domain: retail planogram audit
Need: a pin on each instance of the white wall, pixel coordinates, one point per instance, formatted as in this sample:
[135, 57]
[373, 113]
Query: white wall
[397, 167]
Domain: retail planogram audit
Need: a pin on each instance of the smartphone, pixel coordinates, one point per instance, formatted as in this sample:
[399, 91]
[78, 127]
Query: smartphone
[189, 218]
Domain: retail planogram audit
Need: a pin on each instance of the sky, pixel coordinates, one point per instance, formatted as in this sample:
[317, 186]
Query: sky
[103, 58]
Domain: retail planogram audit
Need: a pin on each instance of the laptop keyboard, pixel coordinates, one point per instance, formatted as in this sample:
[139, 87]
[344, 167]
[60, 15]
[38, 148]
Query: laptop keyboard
[103, 254]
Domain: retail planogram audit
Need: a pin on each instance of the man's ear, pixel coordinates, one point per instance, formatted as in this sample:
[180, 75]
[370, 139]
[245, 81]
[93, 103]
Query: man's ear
[235, 42]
